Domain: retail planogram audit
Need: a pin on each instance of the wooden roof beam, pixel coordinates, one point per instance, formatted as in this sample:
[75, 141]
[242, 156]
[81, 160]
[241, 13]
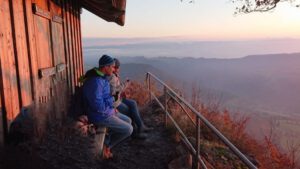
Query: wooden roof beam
[109, 10]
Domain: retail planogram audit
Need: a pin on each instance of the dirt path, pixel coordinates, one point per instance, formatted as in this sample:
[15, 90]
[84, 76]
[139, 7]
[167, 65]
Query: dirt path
[62, 150]
[153, 153]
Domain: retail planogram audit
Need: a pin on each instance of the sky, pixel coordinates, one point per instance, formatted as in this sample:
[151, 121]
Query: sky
[204, 20]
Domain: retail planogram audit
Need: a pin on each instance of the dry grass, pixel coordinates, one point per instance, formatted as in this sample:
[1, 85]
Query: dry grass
[265, 154]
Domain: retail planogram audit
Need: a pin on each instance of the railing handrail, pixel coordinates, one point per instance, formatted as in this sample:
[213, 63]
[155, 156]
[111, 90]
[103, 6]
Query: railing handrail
[235, 150]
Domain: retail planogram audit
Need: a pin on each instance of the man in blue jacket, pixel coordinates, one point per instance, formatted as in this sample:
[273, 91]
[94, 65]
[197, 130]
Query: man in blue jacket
[99, 105]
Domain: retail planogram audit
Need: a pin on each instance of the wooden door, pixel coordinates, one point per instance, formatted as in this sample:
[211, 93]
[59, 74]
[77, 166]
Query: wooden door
[44, 61]
[52, 89]
[60, 78]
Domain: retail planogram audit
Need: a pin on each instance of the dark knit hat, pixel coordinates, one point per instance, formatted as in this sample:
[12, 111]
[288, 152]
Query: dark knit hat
[105, 60]
[117, 62]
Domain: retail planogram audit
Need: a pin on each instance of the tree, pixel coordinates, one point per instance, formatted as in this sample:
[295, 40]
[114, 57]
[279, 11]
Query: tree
[248, 6]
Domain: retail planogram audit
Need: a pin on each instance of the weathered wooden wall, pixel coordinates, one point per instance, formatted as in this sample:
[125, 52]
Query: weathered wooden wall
[40, 57]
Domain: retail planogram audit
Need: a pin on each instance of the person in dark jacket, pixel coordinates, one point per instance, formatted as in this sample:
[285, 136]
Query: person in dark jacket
[99, 105]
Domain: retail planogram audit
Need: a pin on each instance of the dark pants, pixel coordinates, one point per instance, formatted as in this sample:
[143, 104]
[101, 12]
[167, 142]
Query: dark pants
[129, 108]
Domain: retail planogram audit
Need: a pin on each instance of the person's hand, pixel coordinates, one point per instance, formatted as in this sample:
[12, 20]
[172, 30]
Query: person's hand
[125, 94]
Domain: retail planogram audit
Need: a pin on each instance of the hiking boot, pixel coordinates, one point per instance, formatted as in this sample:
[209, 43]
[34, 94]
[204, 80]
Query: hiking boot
[139, 135]
[106, 153]
[146, 129]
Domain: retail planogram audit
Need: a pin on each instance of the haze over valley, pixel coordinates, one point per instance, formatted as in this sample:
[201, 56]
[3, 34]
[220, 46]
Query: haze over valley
[265, 87]
[180, 47]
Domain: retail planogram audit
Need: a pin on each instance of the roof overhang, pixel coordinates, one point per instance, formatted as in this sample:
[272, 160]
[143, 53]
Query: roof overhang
[109, 10]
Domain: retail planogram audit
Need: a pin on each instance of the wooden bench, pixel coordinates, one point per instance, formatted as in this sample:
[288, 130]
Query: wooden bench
[99, 141]
[95, 132]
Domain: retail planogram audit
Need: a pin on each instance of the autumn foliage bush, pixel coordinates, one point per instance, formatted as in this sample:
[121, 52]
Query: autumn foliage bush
[265, 154]
[138, 92]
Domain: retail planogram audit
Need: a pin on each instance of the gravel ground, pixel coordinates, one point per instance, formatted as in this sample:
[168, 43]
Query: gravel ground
[62, 148]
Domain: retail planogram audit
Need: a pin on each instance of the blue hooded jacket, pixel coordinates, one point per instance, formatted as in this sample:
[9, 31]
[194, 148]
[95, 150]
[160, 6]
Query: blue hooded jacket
[97, 97]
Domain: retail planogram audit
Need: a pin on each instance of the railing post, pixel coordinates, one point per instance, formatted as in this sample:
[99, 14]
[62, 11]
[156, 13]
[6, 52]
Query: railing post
[149, 87]
[196, 162]
[198, 141]
[166, 106]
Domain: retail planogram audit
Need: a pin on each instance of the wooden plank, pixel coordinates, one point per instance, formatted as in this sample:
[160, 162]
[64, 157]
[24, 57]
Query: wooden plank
[99, 141]
[76, 40]
[60, 67]
[57, 19]
[44, 49]
[42, 30]
[71, 87]
[31, 44]
[8, 68]
[56, 10]
[21, 53]
[108, 12]
[46, 72]
[71, 51]
[80, 60]
[74, 61]
[40, 12]
[44, 100]
[66, 43]
[81, 53]
[60, 88]
[73, 31]
[57, 39]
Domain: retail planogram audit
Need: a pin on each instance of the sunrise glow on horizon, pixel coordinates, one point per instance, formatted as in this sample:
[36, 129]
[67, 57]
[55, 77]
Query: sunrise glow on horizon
[205, 19]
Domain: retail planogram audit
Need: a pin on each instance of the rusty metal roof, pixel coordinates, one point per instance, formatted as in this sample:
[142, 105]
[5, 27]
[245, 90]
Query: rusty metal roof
[109, 10]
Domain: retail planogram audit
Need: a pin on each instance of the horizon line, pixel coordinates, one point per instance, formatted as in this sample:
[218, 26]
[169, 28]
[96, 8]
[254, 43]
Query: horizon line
[194, 38]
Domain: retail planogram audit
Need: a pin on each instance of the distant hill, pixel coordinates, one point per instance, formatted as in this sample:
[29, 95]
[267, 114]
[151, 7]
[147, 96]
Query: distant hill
[270, 82]
[133, 71]
[264, 87]
[266, 83]
[181, 48]
[137, 71]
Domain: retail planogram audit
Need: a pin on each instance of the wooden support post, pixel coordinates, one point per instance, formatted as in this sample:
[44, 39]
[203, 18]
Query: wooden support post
[99, 141]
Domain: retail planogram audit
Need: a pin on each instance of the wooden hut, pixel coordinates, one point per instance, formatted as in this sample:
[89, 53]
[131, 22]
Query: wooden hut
[41, 56]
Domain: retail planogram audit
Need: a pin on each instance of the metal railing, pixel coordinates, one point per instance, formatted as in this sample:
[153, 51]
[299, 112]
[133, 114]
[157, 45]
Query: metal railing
[167, 91]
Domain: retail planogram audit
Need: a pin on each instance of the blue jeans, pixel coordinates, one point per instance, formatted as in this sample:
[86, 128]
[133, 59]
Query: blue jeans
[119, 128]
[129, 108]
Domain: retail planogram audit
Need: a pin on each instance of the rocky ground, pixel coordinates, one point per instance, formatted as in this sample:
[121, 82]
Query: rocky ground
[62, 148]
[65, 146]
